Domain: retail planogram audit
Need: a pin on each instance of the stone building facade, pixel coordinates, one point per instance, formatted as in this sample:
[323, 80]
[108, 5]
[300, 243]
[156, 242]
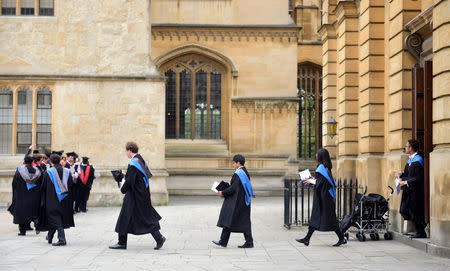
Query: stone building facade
[81, 79]
[385, 80]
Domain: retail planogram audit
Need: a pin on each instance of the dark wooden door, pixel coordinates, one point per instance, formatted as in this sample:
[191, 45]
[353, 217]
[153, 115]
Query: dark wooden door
[422, 101]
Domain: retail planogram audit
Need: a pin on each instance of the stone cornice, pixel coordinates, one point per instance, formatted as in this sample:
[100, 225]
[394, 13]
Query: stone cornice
[222, 33]
[262, 103]
[80, 77]
[327, 30]
[422, 22]
[346, 9]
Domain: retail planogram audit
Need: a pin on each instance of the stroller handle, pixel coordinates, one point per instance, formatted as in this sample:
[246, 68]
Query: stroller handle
[392, 191]
[365, 190]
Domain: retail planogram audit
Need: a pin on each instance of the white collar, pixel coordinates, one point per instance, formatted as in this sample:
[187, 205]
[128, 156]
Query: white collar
[412, 156]
[133, 157]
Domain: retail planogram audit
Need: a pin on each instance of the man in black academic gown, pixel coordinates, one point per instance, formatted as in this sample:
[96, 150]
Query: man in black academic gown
[84, 183]
[412, 206]
[56, 201]
[235, 212]
[26, 195]
[137, 215]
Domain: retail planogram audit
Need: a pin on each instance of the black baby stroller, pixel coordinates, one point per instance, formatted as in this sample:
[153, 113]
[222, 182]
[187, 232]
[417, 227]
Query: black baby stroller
[370, 216]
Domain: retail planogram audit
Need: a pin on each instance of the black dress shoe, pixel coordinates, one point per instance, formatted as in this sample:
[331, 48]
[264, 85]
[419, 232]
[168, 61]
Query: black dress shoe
[59, 243]
[246, 245]
[303, 241]
[218, 243]
[118, 246]
[21, 234]
[340, 242]
[49, 240]
[160, 243]
[419, 235]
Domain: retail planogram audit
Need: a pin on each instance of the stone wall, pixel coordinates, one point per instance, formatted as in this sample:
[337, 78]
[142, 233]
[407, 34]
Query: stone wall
[107, 37]
[237, 12]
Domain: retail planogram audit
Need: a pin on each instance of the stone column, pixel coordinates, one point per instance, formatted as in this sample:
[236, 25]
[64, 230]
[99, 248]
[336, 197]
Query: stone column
[347, 87]
[398, 96]
[440, 157]
[328, 36]
[371, 92]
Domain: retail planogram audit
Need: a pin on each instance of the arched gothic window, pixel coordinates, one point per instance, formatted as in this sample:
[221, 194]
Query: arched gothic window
[193, 98]
[309, 86]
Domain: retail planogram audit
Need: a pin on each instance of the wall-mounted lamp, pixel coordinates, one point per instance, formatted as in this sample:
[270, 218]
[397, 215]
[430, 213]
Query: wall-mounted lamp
[331, 127]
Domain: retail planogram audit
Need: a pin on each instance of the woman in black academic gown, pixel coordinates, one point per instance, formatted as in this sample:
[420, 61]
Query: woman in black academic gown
[26, 195]
[85, 181]
[323, 214]
[56, 201]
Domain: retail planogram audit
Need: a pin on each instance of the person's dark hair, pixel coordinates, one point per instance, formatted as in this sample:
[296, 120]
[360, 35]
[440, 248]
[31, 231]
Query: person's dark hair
[37, 157]
[132, 146]
[28, 160]
[414, 144]
[55, 159]
[239, 158]
[323, 157]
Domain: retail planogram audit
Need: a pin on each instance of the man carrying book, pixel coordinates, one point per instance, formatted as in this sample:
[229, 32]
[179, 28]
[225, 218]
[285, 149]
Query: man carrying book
[235, 212]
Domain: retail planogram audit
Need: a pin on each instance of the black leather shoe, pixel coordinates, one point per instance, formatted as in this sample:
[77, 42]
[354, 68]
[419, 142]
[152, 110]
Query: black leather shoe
[340, 242]
[419, 235]
[246, 245]
[160, 243]
[118, 246]
[21, 234]
[59, 243]
[303, 241]
[49, 240]
[218, 243]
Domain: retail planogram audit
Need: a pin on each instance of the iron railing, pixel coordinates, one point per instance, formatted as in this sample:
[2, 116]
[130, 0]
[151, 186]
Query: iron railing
[298, 200]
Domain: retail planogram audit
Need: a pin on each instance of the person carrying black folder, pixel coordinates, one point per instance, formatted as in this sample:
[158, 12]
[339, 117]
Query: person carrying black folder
[235, 213]
[137, 215]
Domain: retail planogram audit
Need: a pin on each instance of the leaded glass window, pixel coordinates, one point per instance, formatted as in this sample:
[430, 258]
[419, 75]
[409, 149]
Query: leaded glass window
[24, 119]
[6, 119]
[193, 98]
[44, 118]
[46, 8]
[9, 7]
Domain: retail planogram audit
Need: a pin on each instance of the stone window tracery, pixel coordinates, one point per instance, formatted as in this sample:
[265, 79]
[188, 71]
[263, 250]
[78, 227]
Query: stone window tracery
[25, 118]
[27, 7]
[193, 98]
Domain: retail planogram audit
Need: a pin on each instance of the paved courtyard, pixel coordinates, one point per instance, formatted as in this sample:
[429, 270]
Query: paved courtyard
[189, 223]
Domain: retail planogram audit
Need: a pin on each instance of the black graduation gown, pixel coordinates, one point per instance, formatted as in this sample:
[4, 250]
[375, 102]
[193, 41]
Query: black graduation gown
[25, 203]
[412, 204]
[137, 215]
[84, 190]
[323, 214]
[55, 214]
[235, 214]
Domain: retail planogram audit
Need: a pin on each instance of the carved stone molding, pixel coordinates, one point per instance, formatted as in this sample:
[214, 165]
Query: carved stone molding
[420, 27]
[224, 34]
[413, 44]
[262, 104]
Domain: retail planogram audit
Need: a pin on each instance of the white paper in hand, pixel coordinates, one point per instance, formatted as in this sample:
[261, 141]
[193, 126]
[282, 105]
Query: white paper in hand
[213, 187]
[305, 174]
[397, 185]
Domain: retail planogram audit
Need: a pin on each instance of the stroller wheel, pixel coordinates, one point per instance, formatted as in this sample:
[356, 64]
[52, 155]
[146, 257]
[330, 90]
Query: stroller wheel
[377, 236]
[361, 237]
[373, 237]
[388, 236]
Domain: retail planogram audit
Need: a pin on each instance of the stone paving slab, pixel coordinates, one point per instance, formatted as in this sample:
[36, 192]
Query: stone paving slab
[189, 223]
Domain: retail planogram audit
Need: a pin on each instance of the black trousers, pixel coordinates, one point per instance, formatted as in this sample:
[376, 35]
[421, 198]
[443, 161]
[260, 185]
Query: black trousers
[225, 236]
[419, 223]
[61, 234]
[156, 235]
[312, 229]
